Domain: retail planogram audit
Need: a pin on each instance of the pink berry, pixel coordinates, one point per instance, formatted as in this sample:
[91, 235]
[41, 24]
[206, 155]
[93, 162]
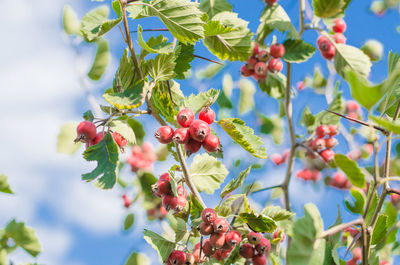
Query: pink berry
[206, 229]
[251, 63]
[180, 204]
[246, 251]
[333, 130]
[259, 259]
[208, 248]
[330, 142]
[277, 50]
[181, 136]
[340, 25]
[329, 53]
[254, 237]
[97, 139]
[260, 70]
[185, 117]
[208, 215]
[321, 131]
[119, 139]
[339, 38]
[264, 246]
[318, 144]
[163, 187]
[246, 72]
[86, 131]
[217, 240]
[275, 65]
[222, 254]
[263, 56]
[279, 234]
[221, 225]
[327, 155]
[326, 47]
[170, 202]
[211, 143]
[207, 114]
[352, 106]
[177, 257]
[127, 201]
[277, 159]
[233, 238]
[357, 253]
[192, 147]
[199, 130]
[164, 134]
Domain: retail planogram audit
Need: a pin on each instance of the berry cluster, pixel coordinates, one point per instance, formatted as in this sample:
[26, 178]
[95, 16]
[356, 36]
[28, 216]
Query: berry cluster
[87, 133]
[142, 157]
[163, 190]
[256, 65]
[324, 44]
[324, 145]
[339, 181]
[353, 109]
[194, 133]
[221, 241]
[256, 249]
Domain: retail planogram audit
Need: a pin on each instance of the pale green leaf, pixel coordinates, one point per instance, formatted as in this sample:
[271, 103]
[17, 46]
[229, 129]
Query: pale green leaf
[124, 77]
[244, 136]
[137, 259]
[4, 186]
[351, 58]
[351, 169]
[196, 102]
[179, 226]
[106, 153]
[213, 7]
[163, 246]
[162, 103]
[390, 125]
[235, 183]
[65, 139]
[380, 229]
[3, 257]
[233, 204]
[162, 67]
[359, 201]
[214, 28]
[157, 45]
[122, 127]
[297, 51]
[247, 91]
[259, 222]
[274, 85]
[277, 213]
[128, 222]
[101, 60]
[71, 23]
[23, 237]
[207, 173]
[328, 8]
[210, 71]
[131, 97]
[275, 259]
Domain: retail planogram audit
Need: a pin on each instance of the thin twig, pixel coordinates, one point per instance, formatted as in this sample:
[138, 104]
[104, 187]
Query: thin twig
[340, 227]
[206, 59]
[267, 188]
[144, 30]
[391, 190]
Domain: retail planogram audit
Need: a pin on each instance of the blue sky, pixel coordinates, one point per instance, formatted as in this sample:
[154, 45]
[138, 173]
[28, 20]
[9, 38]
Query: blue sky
[76, 223]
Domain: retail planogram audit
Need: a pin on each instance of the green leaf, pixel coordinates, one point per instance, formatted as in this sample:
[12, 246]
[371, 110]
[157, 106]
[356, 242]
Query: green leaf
[183, 57]
[122, 127]
[71, 23]
[235, 183]
[380, 229]
[24, 237]
[146, 180]
[351, 58]
[307, 119]
[4, 186]
[233, 204]
[327, 118]
[95, 23]
[244, 136]
[106, 153]
[214, 28]
[277, 213]
[207, 173]
[358, 206]
[101, 60]
[88, 115]
[124, 77]
[390, 125]
[179, 226]
[157, 45]
[182, 18]
[162, 67]
[131, 97]
[317, 81]
[65, 139]
[196, 102]
[274, 17]
[137, 259]
[234, 45]
[307, 249]
[163, 246]
[129, 220]
[328, 8]
[138, 130]
[374, 204]
[161, 100]
[259, 222]
[210, 71]
[213, 7]
[297, 51]
[3, 256]
[247, 91]
[223, 101]
[351, 169]
[275, 259]
[274, 85]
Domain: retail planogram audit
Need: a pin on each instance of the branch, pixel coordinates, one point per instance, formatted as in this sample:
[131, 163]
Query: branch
[301, 15]
[206, 59]
[267, 188]
[340, 227]
[391, 190]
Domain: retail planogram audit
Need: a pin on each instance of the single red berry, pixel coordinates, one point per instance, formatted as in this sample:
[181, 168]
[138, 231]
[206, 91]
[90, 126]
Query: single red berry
[263, 56]
[85, 131]
[277, 159]
[357, 253]
[263, 247]
[119, 139]
[275, 65]
[192, 147]
[394, 198]
[260, 70]
[322, 39]
[208, 215]
[199, 130]
[340, 25]
[326, 47]
[163, 187]
[177, 257]
[339, 38]
[207, 114]
[254, 237]
[222, 254]
[97, 139]
[255, 49]
[259, 259]
[164, 134]
[180, 204]
[211, 143]
[327, 155]
[251, 62]
[185, 117]
[352, 106]
[127, 201]
[271, 2]
[277, 50]
[319, 144]
[321, 131]
[333, 130]
[246, 72]
[329, 53]
[331, 142]
[206, 229]
[221, 225]
[246, 251]
[181, 136]
[181, 191]
[170, 202]
[217, 240]
[164, 176]
[304, 174]
[208, 248]
[233, 238]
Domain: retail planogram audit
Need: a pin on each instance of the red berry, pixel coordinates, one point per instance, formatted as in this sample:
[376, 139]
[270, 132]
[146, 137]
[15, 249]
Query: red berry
[326, 47]
[181, 191]
[259, 259]
[340, 25]
[199, 130]
[206, 229]
[357, 253]
[394, 198]
[163, 187]
[339, 38]
[330, 142]
[321, 131]
[321, 39]
[254, 237]
[318, 144]
[180, 204]
[333, 130]
[263, 247]
[233, 238]
[208, 248]
[164, 176]
[327, 155]
[181, 136]
[251, 63]
[207, 114]
[217, 240]
[246, 251]
[352, 106]
[170, 202]
[255, 49]
[271, 2]
[97, 139]
[119, 139]
[177, 257]
[277, 159]
[185, 117]
[211, 143]
[262, 56]
[300, 85]
[244, 71]
[86, 131]
[208, 215]
[222, 254]
[260, 71]
[127, 202]
[197, 258]
[275, 65]
[164, 134]
[329, 53]
[279, 234]
[221, 225]
[277, 50]
[340, 181]
[192, 147]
